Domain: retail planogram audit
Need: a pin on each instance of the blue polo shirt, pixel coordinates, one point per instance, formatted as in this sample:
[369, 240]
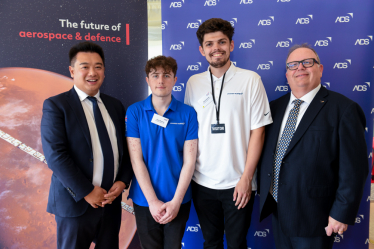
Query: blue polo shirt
[162, 147]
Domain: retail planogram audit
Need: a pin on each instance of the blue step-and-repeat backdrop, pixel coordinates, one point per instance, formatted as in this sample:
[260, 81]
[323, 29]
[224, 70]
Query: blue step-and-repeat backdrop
[342, 33]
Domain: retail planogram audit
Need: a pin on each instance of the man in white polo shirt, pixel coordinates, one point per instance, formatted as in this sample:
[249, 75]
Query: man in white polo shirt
[232, 109]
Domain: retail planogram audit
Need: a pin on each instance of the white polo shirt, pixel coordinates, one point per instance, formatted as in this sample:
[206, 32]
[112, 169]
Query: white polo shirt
[244, 107]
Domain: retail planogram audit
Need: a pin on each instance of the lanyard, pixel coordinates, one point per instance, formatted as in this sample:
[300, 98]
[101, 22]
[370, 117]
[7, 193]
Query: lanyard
[219, 100]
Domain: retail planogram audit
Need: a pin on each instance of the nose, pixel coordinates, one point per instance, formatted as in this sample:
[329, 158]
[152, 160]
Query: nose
[92, 72]
[302, 66]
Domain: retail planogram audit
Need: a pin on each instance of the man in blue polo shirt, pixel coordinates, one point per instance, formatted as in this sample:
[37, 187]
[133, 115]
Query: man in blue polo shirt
[162, 140]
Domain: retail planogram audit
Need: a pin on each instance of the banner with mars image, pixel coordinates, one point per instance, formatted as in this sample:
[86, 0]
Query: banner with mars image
[34, 43]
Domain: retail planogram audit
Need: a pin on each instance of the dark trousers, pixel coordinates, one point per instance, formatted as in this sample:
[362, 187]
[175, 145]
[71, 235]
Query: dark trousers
[154, 235]
[218, 214]
[98, 225]
[283, 241]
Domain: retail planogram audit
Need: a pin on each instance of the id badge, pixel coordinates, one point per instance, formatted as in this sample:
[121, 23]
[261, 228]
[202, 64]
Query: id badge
[159, 120]
[217, 128]
[206, 100]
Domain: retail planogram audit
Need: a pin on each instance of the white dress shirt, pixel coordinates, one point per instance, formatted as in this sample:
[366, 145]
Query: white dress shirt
[98, 159]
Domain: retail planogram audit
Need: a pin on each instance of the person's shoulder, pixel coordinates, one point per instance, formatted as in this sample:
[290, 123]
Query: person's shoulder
[335, 96]
[198, 77]
[59, 99]
[137, 106]
[248, 73]
[107, 97]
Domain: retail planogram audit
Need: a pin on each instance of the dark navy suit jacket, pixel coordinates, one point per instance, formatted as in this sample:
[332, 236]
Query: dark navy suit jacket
[324, 169]
[67, 147]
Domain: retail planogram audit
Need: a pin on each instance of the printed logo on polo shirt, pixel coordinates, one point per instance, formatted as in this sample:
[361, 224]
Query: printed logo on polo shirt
[235, 93]
[193, 229]
[323, 43]
[344, 18]
[266, 22]
[339, 238]
[361, 88]
[372, 111]
[305, 20]
[265, 66]
[246, 1]
[126, 123]
[359, 218]
[367, 241]
[281, 88]
[370, 155]
[164, 24]
[176, 4]
[177, 46]
[364, 41]
[194, 67]
[284, 44]
[232, 22]
[194, 25]
[182, 244]
[178, 88]
[210, 3]
[247, 44]
[326, 85]
[342, 65]
[262, 233]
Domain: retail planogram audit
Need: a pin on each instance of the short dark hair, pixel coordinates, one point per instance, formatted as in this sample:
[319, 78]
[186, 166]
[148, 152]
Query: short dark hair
[214, 25]
[167, 63]
[85, 47]
[304, 45]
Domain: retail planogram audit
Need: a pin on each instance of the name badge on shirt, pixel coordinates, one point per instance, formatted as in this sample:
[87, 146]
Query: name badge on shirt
[218, 128]
[160, 120]
[206, 100]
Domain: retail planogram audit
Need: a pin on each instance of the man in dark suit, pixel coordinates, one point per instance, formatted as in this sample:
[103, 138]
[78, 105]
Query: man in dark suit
[314, 163]
[83, 137]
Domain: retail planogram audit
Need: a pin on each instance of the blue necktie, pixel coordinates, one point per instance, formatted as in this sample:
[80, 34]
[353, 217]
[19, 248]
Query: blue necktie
[106, 146]
[283, 144]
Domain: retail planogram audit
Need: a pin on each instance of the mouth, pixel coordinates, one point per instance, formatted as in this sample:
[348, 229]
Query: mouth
[91, 81]
[301, 75]
[217, 54]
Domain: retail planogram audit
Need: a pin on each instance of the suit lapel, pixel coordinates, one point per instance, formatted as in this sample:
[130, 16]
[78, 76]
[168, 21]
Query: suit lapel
[317, 103]
[77, 108]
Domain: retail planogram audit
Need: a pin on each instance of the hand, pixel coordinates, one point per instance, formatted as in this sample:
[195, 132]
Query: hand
[114, 192]
[171, 210]
[96, 197]
[155, 209]
[242, 192]
[335, 226]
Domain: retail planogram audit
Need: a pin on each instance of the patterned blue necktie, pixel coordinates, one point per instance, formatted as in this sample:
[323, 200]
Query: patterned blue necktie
[284, 141]
[106, 146]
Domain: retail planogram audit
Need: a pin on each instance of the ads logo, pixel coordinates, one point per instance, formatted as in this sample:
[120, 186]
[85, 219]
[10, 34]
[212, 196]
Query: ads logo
[342, 65]
[326, 85]
[194, 67]
[361, 88]
[211, 3]
[164, 24]
[283, 1]
[323, 43]
[247, 44]
[194, 25]
[262, 233]
[176, 4]
[178, 88]
[364, 41]
[359, 218]
[234, 63]
[344, 18]
[177, 46]
[194, 229]
[246, 1]
[304, 20]
[264, 66]
[370, 155]
[338, 238]
[265, 22]
[281, 88]
[284, 44]
[232, 22]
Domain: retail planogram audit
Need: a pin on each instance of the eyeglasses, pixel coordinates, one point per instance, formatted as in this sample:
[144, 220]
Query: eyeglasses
[293, 65]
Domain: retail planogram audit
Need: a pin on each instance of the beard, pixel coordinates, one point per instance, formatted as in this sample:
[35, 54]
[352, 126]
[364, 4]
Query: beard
[219, 64]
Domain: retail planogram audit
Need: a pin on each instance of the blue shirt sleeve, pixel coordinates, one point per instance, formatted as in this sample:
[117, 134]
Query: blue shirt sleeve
[193, 126]
[132, 122]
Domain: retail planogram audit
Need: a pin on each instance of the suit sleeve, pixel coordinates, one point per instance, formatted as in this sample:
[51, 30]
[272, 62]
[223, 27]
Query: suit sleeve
[57, 152]
[353, 165]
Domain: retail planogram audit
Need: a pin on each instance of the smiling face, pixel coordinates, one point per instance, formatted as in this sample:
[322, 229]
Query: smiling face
[161, 82]
[216, 49]
[303, 80]
[88, 72]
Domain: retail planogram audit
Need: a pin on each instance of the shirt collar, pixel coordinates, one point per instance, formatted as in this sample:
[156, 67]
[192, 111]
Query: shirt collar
[307, 98]
[82, 95]
[229, 73]
[149, 107]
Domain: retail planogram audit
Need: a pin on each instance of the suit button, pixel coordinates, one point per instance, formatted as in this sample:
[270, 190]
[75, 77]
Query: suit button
[269, 175]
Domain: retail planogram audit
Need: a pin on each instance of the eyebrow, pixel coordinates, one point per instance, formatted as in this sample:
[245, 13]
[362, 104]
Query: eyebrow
[86, 63]
[218, 40]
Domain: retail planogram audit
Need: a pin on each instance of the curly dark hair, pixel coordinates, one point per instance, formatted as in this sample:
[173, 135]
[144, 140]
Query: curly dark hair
[167, 63]
[214, 25]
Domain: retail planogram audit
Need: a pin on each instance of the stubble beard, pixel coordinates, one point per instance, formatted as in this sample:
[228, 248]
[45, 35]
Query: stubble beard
[219, 64]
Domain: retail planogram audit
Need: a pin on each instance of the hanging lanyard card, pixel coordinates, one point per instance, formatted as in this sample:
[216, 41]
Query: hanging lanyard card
[160, 120]
[218, 128]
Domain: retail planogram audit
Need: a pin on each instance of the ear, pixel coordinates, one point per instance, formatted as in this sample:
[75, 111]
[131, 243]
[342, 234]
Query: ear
[231, 45]
[201, 51]
[321, 69]
[146, 79]
[175, 80]
[71, 70]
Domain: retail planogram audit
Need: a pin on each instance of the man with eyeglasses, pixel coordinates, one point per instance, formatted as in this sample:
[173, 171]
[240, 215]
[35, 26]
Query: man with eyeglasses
[314, 164]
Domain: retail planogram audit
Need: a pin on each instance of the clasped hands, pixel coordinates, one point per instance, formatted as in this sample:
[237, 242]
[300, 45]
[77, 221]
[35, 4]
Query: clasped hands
[164, 212]
[99, 197]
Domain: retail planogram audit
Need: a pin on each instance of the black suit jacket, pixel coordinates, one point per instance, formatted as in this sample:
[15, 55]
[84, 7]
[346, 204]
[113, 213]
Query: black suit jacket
[67, 147]
[324, 169]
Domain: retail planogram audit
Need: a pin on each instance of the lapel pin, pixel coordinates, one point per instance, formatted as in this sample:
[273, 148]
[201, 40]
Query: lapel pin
[322, 101]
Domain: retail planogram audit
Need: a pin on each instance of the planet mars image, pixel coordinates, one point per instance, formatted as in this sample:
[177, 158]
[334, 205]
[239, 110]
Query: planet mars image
[24, 179]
